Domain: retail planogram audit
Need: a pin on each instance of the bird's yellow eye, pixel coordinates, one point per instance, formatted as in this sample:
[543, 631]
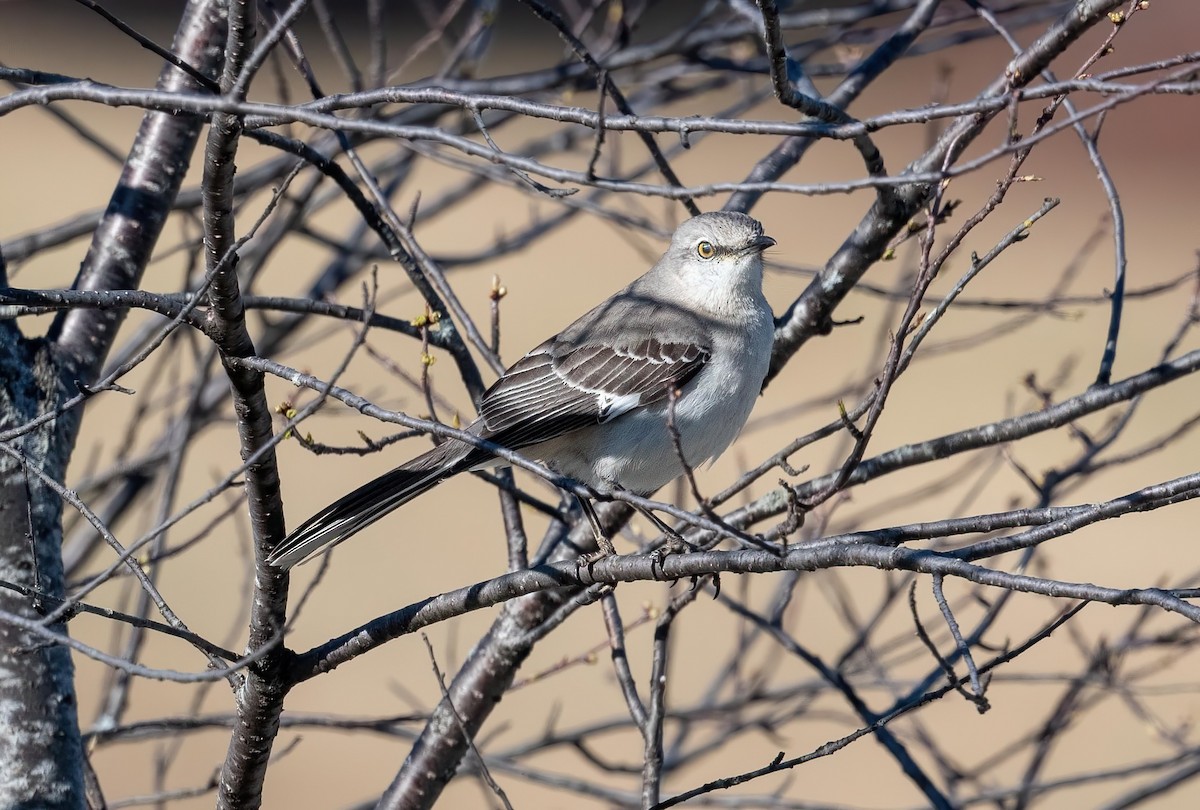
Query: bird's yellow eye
[705, 250]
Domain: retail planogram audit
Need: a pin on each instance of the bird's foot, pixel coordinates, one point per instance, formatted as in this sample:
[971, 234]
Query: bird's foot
[586, 561]
[604, 548]
[674, 544]
[593, 557]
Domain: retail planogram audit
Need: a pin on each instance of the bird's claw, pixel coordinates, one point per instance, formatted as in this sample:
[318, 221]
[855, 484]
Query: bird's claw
[593, 557]
[675, 544]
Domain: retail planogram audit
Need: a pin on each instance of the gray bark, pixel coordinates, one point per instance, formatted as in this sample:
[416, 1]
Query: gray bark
[41, 759]
[41, 756]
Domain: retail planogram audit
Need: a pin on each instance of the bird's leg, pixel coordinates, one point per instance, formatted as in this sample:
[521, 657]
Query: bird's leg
[672, 545]
[675, 542]
[604, 545]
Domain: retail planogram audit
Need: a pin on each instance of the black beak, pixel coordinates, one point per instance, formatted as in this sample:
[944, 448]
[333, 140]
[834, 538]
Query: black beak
[761, 243]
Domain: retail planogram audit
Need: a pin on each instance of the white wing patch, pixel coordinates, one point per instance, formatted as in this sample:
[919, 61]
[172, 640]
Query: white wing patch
[613, 406]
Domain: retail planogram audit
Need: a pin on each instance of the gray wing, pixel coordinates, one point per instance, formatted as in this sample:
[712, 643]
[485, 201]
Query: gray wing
[560, 387]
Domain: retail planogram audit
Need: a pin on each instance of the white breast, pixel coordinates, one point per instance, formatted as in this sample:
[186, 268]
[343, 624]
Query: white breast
[636, 451]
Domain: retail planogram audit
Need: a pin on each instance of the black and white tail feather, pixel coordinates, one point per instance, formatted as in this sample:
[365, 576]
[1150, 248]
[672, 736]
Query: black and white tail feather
[356, 511]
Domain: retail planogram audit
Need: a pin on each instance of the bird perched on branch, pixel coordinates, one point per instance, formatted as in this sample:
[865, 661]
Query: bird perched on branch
[688, 342]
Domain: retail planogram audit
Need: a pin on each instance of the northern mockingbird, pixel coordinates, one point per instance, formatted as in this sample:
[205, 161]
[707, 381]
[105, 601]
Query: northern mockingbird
[592, 402]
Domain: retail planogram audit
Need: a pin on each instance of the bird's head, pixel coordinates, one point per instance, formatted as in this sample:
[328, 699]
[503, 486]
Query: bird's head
[717, 257]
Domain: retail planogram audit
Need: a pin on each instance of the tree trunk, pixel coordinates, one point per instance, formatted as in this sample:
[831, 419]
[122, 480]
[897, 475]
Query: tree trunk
[41, 758]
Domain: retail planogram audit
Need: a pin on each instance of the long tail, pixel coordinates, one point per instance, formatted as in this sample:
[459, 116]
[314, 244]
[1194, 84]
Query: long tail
[352, 513]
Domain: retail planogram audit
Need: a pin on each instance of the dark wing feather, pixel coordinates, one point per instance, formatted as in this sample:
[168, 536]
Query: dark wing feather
[558, 388]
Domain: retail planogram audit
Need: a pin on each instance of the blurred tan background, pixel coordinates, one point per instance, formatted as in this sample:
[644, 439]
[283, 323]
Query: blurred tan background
[453, 537]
